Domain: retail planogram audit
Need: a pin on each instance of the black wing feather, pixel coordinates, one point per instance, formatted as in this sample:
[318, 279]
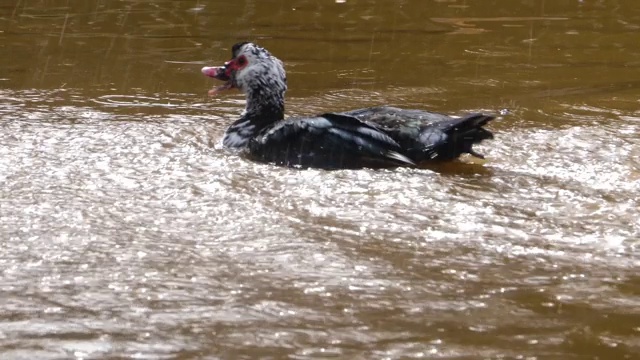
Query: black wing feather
[328, 141]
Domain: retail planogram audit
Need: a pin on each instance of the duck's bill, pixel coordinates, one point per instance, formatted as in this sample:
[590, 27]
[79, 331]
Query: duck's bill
[219, 73]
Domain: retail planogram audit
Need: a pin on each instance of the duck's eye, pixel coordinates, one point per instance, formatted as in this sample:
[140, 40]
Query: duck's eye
[242, 61]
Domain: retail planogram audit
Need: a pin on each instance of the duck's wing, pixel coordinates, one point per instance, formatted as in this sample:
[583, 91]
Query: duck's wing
[327, 141]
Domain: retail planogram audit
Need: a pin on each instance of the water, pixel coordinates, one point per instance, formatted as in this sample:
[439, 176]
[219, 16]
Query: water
[126, 231]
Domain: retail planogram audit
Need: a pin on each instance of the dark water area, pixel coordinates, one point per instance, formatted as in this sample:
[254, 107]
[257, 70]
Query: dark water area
[127, 231]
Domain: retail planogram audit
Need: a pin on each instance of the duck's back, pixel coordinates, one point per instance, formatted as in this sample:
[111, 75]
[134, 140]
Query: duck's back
[427, 136]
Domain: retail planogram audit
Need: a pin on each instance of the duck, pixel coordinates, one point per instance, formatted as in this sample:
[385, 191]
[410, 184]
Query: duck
[375, 137]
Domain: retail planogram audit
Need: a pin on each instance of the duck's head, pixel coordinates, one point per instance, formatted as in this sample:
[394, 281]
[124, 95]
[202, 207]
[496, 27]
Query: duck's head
[252, 70]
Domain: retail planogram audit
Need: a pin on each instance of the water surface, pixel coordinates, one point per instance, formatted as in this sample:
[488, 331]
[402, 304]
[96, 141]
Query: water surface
[127, 231]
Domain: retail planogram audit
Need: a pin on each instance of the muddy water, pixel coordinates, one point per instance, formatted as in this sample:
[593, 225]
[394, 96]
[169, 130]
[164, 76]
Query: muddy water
[126, 231]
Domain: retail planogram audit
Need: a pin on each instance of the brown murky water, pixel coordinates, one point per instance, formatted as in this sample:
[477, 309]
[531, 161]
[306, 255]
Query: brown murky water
[126, 231]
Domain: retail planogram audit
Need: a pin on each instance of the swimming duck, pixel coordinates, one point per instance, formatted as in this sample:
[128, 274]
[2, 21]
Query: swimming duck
[377, 137]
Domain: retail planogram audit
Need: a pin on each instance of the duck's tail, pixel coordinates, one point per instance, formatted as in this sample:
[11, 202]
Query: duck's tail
[461, 134]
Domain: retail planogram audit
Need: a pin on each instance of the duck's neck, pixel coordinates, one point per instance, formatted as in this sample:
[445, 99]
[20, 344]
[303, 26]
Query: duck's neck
[263, 108]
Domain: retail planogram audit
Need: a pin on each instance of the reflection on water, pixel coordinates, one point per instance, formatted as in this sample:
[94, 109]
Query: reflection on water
[127, 231]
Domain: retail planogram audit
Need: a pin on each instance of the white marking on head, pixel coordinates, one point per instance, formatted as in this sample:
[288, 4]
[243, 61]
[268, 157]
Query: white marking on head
[263, 71]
